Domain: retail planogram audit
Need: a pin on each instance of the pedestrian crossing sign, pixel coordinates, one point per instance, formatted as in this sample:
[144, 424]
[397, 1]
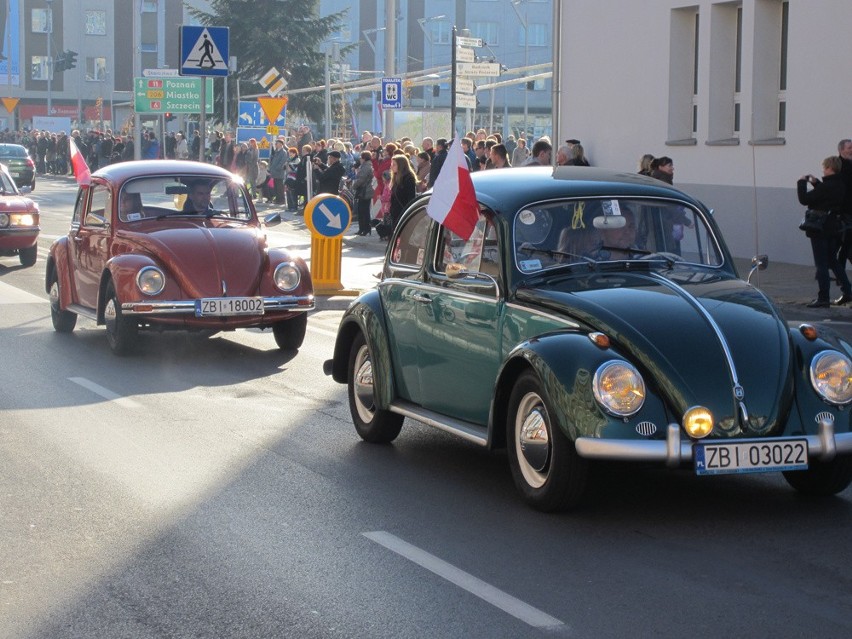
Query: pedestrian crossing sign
[204, 51]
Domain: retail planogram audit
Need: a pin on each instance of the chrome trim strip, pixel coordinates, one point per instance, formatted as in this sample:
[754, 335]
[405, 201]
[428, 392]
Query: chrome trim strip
[674, 451]
[184, 307]
[737, 389]
[431, 288]
[465, 430]
[550, 316]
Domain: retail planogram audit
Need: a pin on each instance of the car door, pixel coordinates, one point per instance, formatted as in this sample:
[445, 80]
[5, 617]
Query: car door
[90, 242]
[458, 324]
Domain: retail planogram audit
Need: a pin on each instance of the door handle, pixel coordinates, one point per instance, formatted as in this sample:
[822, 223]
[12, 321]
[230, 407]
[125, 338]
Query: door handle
[423, 299]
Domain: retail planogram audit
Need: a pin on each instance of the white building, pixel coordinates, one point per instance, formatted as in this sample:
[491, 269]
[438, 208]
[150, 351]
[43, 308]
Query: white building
[745, 96]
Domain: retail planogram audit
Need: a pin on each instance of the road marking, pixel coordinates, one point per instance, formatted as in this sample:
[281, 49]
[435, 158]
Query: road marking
[11, 295]
[97, 389]
[506, 602]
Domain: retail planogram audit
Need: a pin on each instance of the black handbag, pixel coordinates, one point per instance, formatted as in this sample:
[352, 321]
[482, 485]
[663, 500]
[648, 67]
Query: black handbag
[814, 222]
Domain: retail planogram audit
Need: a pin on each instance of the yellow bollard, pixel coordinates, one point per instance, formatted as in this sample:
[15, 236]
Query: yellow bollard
[327, 216]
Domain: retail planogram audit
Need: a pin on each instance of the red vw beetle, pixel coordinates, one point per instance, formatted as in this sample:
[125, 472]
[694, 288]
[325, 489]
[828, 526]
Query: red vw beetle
[158, 245]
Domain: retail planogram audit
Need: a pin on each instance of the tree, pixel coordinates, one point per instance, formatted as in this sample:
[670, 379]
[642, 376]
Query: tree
[285, 34]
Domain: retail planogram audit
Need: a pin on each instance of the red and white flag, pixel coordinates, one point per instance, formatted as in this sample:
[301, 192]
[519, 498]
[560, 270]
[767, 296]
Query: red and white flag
[453, 202]
[78, 163]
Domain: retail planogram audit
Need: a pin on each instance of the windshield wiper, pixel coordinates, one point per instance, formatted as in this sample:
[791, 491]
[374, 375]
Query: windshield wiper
[552, 253]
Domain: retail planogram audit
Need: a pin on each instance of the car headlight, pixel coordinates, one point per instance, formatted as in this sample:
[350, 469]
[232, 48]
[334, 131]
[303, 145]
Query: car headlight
[287, 276]
[831, 377]
[619, 388]
[151, 280]
[22, 219]
[4, 220]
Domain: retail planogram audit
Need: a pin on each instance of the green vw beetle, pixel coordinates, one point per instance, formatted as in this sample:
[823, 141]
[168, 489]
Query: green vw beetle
[592, 315]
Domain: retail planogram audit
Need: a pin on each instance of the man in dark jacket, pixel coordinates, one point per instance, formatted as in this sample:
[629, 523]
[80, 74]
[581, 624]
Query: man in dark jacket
[437, 160]
[330, 174]
[844, 150]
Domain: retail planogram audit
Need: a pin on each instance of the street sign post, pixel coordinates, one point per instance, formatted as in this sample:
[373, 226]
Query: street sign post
[171, 95]
[391, 93]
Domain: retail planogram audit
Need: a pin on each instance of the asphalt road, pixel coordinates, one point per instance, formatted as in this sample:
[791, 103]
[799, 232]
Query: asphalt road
[216, 488]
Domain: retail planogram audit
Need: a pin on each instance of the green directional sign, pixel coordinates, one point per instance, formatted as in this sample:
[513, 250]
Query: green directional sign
[171, 95]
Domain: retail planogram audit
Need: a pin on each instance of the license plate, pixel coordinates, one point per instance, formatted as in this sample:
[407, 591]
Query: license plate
[751, 456]
[15, 173]
[227, 306]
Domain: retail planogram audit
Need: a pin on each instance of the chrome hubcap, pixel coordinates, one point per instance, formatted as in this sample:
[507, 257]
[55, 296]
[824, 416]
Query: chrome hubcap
[362, 382]
[532, 439]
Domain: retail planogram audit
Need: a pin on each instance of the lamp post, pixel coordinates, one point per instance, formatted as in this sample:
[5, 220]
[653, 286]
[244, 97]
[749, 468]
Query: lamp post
[422, 22]
[523, 20]
[49, 59]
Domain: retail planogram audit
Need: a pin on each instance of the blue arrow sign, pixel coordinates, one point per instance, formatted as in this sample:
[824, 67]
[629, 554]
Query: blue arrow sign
[252, 115]
[204, 51]
[330, 215]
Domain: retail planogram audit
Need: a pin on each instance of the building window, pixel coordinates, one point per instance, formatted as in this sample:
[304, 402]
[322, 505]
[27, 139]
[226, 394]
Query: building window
[149, 6]
[488, 31]
[768, 91]
[148, 47]
[442, 32]
[95, 22]
[41, 20]
[537, 34]
[683, 76]
[725, 73]
[95, 69]
[40, 67]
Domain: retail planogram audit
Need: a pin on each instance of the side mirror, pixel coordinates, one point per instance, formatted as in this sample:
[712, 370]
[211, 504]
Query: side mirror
[758, 263]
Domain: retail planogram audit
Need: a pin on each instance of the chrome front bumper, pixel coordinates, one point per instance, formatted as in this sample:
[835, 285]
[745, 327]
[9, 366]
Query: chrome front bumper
[187, 307]
[675, 451]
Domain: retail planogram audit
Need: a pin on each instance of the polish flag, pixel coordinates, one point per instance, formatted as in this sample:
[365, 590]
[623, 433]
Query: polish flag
[453, 202]
[78, 163]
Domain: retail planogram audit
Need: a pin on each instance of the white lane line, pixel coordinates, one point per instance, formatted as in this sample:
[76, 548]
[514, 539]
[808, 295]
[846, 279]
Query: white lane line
[504, 601]
[12, 295]
[321, 331]
[97, 389]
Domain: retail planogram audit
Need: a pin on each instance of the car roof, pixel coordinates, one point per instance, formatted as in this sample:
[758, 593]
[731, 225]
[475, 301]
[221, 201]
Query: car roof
[507, 190]
[121, 171]
[7, 145]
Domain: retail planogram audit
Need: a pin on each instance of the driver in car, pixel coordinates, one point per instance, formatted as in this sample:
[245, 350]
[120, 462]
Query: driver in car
[198, 197]
[618, 243]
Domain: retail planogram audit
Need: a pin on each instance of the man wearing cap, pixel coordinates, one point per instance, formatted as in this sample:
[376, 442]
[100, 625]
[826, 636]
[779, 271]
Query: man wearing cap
[329, 175]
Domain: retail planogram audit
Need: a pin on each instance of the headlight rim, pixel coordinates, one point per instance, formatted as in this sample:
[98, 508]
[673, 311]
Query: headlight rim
[599, 396]
[293, 269]
[815, 361]
[150, 269]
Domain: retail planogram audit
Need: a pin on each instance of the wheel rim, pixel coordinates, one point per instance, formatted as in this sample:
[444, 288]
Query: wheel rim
[532, 439]
[54, 297]
[362, 384]
[110, 315]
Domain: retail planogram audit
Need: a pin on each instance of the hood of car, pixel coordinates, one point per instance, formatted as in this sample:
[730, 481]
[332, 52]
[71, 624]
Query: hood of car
[716, 328]
[207, 262]
[17, 203]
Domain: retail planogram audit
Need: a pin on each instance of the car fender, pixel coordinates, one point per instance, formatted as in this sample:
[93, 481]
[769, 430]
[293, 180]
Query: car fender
[366, 315]
[121, 270]
[810, 404]
[58, 267]
[565, 362]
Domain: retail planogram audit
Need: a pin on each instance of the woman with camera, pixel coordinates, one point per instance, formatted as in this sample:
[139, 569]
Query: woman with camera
[824, 199]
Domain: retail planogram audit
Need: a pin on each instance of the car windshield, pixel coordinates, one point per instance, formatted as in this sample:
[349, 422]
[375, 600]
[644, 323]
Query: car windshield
[7, 185]
[160, 197]
[597, 230]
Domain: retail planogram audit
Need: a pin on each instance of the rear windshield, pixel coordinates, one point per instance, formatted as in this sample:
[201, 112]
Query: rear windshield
[13, 152]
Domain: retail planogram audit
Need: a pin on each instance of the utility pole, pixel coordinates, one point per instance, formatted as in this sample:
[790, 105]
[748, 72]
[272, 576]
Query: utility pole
[49, 58]
[390, 60]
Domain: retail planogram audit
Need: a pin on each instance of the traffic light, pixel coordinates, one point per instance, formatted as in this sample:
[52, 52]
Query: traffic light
[70, 59]
[169, 116]
[60, 62]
